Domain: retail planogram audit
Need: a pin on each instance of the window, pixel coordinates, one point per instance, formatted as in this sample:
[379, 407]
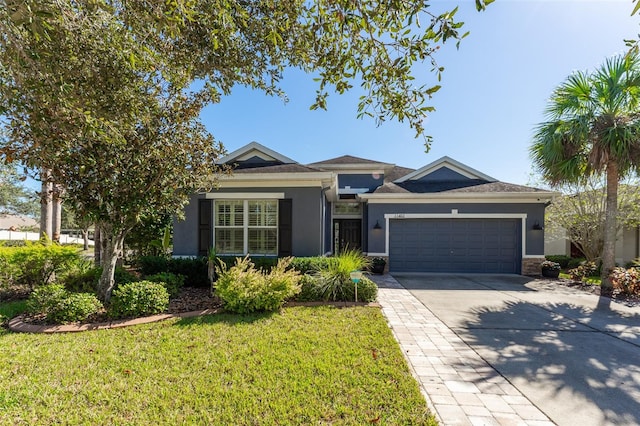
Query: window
[347, 209]
[246, 226]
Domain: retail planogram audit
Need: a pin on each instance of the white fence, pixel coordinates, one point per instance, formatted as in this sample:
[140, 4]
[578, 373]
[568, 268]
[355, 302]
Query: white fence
[35, 236]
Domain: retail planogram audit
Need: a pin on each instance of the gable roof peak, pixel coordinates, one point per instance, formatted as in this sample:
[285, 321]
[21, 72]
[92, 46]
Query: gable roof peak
[258, 149]
[348, 160]
[450, 163]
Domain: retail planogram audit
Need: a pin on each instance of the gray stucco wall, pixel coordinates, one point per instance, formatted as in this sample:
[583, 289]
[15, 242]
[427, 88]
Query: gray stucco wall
[185, 231]
[360, 181]
[534, 212]
[306, 228]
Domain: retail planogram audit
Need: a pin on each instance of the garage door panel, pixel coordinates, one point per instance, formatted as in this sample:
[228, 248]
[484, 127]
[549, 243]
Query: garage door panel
[455, 245]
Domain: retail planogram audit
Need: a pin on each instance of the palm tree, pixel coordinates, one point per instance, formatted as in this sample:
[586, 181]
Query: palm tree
[593, 128]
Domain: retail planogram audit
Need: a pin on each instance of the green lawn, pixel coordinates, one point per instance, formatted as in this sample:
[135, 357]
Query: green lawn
[9, 310]
[319, 365]
[594, 280]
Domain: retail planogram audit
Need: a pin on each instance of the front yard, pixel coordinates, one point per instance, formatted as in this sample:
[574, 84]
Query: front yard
[320, 365]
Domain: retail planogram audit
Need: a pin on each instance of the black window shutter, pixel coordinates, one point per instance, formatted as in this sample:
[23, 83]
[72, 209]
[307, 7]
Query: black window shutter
[285, 220]
[205, 222]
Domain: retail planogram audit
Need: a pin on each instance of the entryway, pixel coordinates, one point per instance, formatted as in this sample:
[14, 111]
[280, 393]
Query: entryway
[347, 234]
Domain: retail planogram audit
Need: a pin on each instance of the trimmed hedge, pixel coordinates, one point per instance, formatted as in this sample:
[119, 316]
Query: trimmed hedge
[138, 299]
[59, 306]
[172, 282]
[308, 265]
[562, 259]
[194, 269]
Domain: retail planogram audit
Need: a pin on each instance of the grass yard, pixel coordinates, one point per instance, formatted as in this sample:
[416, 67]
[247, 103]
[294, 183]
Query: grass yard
[9, 310]
[318, 365]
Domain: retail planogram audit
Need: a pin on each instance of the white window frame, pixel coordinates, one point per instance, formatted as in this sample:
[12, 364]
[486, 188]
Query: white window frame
[337, 215]
[245, 224]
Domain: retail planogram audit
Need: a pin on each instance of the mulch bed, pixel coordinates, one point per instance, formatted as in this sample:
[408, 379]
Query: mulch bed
[189, 299]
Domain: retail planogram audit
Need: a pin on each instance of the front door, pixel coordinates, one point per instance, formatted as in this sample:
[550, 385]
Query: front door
[347, 234]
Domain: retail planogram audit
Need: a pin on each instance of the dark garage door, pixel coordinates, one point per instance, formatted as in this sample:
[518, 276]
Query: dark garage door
[455, 245]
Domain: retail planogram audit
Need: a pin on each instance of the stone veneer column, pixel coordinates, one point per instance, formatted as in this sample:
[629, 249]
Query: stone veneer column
[531, 265]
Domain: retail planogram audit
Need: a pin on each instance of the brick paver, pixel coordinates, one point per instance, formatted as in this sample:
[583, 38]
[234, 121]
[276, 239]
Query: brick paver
[460, 387]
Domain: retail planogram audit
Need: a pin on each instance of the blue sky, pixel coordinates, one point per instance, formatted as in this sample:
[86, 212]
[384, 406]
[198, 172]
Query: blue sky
[494, 91]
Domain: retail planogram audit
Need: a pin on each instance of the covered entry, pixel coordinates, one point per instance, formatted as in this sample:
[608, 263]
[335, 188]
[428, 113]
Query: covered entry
[478, 245]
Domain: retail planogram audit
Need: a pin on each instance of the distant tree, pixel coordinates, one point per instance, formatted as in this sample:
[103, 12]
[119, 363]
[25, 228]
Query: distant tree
[593, 129]
[106, 95]
[15, 198]
[71, 220]
[579, 214]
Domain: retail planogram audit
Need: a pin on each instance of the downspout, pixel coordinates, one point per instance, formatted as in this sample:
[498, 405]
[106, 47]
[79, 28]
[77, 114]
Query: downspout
[323, 219]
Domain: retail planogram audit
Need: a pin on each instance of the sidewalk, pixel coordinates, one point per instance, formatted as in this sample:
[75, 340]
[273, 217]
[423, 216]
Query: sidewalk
[460, 387]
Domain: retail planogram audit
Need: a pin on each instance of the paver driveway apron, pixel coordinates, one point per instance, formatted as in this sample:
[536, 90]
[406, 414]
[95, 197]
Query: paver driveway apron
[574, 355]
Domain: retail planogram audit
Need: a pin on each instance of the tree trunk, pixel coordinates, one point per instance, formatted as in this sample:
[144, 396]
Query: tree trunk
[610, 229]
[85, 238]
[97, 245]
[56, 220]
[46, 209]
[112, 244]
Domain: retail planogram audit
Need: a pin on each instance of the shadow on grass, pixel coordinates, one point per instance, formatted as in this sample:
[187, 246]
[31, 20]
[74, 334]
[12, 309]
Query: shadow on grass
[579, 365]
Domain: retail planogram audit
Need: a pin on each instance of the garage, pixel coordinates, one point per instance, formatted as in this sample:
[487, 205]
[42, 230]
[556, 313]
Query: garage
[455, 245]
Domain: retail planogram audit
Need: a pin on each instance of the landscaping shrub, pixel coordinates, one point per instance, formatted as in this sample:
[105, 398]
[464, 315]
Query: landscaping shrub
[334, 280]
[83, 281]
[635, 263]
[574, 262]
[309, 289]
[245, 289]
[367, 291]
[307, 265]
[562, 259]
[137, 299]
[172, 282]
[59, 306]
[194, 269]
[626, 280]
[86, 281]
[74, 307]
[122, 276]
[36, 263]
[150, 265]
[44, 299]
[259, 262]
[587, 269]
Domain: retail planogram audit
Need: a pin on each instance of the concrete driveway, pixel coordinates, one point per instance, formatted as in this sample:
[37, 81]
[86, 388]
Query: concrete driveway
[576, 356]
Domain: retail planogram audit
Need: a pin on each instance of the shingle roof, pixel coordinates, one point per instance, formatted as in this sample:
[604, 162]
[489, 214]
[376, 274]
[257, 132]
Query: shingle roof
[472, 186]
[346, 159]
[282, 168]
[396, 173]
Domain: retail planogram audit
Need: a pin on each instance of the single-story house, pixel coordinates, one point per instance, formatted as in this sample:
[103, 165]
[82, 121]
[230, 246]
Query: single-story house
[443, 217]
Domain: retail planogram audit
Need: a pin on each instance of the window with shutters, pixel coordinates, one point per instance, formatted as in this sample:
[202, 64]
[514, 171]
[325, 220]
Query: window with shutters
[246, 226]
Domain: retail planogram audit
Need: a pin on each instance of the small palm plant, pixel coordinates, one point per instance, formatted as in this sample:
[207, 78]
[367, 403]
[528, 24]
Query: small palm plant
[335, 277]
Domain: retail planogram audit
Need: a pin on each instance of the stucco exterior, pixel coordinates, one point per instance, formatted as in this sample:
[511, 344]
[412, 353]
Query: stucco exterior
[348, 202]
